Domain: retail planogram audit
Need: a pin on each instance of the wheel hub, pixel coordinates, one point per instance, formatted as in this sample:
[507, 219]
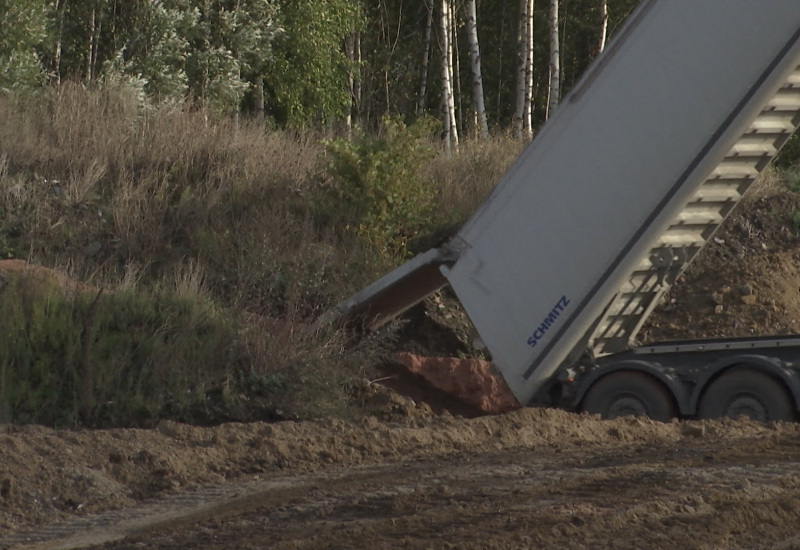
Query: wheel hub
[627, 406]
[748, 406]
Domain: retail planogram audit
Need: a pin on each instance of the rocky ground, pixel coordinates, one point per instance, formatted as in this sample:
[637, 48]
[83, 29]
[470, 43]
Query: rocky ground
[422, 469]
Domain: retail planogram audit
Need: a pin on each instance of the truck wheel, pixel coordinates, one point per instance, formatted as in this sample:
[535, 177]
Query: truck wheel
[630, 393]
[749, 393]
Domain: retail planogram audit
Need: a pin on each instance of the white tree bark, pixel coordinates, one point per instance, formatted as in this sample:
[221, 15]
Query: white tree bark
[527, 116]
[455, 69]
[90, 50]
[350, 52]
[603, 26]
[522, 59]
[60, 8]
[555, 59]
[449, 132]
[475, 64]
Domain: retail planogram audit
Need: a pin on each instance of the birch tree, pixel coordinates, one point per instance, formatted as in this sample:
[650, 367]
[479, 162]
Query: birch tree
[603, 26]
[475, 65]
[449, 131]
[527, 114]
[555, 59]
[59, 7]
[524, 72]
[455, 68]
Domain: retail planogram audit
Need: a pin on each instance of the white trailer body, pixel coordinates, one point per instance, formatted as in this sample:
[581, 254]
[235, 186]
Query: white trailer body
[633, 173]
[545, 254]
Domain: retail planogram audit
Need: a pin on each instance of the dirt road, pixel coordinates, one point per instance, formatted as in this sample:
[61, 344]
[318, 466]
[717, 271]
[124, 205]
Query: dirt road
[529, 479]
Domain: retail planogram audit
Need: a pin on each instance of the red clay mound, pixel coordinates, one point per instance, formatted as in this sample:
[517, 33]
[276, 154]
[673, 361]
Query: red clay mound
[471, 380]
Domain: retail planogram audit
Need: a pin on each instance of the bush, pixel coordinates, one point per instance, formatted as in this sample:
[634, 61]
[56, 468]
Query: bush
[375, 189]
[99, 358]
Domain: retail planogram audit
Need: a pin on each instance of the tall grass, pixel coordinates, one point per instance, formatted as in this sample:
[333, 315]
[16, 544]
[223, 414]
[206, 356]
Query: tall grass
[206, 231]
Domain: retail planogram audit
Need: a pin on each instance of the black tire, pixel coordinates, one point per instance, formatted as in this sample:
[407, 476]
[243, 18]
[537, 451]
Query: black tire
[749, 393]
[630, 393]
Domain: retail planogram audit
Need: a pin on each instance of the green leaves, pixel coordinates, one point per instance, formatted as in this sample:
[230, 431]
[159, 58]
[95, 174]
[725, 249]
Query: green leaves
[22, 31]
[375, 184]
[307, 76]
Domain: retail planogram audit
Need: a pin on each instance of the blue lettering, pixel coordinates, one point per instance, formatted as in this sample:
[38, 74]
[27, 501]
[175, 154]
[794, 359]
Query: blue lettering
[548, 321]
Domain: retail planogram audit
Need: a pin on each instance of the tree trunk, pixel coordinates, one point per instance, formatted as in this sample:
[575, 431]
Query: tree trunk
[90, 50]
[357, 88]
[555, 59]
[61, 6]
[423, 87]
[527, 116]
[455, 68]
[522, 60]
[449, 132]
[477, 78]
[603, 26]
[258, 99]
[523, 118]
[350, 52]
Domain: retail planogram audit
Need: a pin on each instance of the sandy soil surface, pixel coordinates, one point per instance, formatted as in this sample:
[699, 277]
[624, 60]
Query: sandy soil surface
[528, 479]
[423, 469]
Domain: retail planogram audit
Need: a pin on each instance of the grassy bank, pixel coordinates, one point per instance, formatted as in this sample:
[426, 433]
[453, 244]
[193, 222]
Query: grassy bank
[217, 243]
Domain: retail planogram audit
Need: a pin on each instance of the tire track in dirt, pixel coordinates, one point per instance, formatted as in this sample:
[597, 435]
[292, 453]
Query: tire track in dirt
[629, 497]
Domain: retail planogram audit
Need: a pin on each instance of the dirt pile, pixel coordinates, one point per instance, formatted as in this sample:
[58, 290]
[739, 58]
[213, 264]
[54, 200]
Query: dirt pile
[471, 380]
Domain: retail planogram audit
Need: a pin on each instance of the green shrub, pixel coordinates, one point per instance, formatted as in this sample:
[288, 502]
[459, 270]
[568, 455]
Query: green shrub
[375, 188]
[101, 358]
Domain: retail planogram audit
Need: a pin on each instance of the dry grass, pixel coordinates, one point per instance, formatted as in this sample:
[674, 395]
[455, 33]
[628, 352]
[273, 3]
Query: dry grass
[172, 201]
[466, 180]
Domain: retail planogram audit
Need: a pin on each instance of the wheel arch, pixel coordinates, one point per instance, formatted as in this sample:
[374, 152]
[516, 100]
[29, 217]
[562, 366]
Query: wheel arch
[672, 384]
[768, 365]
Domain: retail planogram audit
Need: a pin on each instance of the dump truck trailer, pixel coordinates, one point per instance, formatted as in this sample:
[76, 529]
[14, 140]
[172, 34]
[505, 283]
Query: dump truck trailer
[644, 159]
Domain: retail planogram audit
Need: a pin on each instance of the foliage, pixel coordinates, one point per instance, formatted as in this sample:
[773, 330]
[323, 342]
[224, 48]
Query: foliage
[308, 72]
[214, 49]
[789, 155]
[286, 58]
[95, 358]
[22, 30]
[375, 187]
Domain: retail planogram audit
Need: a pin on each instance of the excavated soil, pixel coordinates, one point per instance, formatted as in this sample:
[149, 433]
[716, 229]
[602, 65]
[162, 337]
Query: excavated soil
[424, 469]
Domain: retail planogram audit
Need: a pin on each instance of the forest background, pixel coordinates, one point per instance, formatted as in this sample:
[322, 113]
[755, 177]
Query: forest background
[304, 63]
